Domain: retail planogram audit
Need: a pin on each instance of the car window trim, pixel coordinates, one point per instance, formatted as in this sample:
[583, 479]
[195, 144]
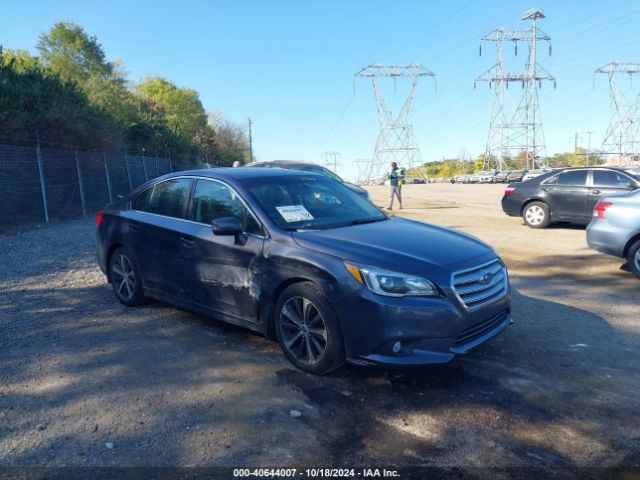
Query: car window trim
[190, 200]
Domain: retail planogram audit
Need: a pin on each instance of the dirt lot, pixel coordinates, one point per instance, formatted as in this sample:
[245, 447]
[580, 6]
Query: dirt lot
[85, 381]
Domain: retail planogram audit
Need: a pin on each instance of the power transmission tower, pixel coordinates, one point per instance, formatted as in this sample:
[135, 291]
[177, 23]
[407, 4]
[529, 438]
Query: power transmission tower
[516, 130]
[363, 166]
[396, 139]
[621, 138]
[330, 160]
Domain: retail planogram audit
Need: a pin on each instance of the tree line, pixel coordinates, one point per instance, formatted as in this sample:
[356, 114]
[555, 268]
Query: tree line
[456, 166]
[71, 94]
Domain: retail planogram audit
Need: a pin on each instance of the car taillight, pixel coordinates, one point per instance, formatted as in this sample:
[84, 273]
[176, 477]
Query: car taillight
[509, 190]
[99, 218]
[600, 209]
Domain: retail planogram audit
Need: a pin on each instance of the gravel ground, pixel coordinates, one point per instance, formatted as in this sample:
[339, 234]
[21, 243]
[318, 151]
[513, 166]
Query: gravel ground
[86, 381]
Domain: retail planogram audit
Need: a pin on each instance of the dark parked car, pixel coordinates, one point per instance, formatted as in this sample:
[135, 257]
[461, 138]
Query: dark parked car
[615, 228]
[301, 258]
[566, 195]
[311, 167]
[501, 177]
[515, 176]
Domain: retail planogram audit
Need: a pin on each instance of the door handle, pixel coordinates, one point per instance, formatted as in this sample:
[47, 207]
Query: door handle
[187, 242]
[596, 192]
[134, 226]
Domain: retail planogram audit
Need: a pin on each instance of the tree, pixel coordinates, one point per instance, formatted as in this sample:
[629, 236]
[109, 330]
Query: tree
[180, 108]
[232, 140]
[478, 165]
[69, 52]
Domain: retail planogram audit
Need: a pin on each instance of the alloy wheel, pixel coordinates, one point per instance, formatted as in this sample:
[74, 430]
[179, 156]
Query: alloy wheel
[303, 330]
[123, 277]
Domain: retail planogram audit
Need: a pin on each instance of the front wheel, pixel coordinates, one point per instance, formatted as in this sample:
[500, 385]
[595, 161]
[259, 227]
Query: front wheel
[633, 259]
[536, 215]
[307, 329]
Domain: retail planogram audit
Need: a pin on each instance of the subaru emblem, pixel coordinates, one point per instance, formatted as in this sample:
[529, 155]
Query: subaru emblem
[486, 278]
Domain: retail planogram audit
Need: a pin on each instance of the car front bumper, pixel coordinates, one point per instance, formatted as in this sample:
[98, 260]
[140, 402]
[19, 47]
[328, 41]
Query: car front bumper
[430, 330]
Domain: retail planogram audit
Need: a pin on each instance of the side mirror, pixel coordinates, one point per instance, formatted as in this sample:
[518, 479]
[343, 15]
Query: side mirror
[226, 226]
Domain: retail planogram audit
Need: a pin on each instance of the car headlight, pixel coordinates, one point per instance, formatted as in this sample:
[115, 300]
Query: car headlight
[391, 284]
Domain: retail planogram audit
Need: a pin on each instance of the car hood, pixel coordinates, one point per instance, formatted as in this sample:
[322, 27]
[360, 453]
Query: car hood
[397, 244]
[355, 188]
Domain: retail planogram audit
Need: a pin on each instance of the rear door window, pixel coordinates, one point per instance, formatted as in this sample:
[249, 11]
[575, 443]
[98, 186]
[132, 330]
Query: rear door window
[610, 178]
[168, 198]
[576, 178]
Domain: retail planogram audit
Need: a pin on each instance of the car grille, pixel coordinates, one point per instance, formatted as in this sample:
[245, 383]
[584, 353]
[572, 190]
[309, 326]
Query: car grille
[480, 285]
[480, 329]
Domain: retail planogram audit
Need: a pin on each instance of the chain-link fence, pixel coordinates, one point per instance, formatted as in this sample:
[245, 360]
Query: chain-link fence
[41, 184]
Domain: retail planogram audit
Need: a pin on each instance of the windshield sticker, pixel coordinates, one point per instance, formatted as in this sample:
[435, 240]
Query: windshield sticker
[294, 213]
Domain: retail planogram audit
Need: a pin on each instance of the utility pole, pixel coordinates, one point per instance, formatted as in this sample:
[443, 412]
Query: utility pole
[250, 141]
[589, 148]
[574, 138]
[519, 130]
[396, 139]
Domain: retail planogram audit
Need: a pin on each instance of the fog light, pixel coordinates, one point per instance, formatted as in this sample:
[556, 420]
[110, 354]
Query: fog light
[396, 347]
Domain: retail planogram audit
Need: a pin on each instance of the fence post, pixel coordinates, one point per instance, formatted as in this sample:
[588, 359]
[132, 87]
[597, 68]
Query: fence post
[42, 187]
[106, 173]
[84, 208]
[170, 165]
[126, 167]
[144, 167]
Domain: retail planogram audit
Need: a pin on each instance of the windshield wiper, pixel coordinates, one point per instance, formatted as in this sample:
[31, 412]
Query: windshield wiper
[362, 221]
[359, 221]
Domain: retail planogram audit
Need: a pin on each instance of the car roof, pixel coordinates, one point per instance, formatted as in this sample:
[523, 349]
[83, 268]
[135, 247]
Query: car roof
[228, 173]
[556, 171]
[284, 163]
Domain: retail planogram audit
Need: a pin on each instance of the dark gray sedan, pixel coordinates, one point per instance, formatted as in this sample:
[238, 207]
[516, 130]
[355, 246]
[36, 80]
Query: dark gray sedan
[615, 228]
[301, 258]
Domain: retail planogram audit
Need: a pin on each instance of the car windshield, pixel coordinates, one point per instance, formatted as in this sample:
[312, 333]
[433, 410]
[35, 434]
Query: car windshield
[311, 202]
[635, 171]
[318, 169]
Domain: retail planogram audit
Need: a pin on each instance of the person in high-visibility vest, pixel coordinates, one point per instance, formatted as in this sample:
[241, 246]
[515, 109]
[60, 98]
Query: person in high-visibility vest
[396, 177]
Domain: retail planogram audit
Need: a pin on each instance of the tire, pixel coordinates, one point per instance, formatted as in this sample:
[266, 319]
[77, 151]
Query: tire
[127, 290]
[536, 215]
[308, 330]
[633, 259]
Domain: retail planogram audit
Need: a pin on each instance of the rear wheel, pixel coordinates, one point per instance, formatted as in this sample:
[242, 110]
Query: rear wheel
[633, 259]
[536, 215]
[307, 329]
[125, 278]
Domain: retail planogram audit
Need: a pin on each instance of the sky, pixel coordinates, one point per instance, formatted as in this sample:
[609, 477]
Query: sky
[289, 65]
